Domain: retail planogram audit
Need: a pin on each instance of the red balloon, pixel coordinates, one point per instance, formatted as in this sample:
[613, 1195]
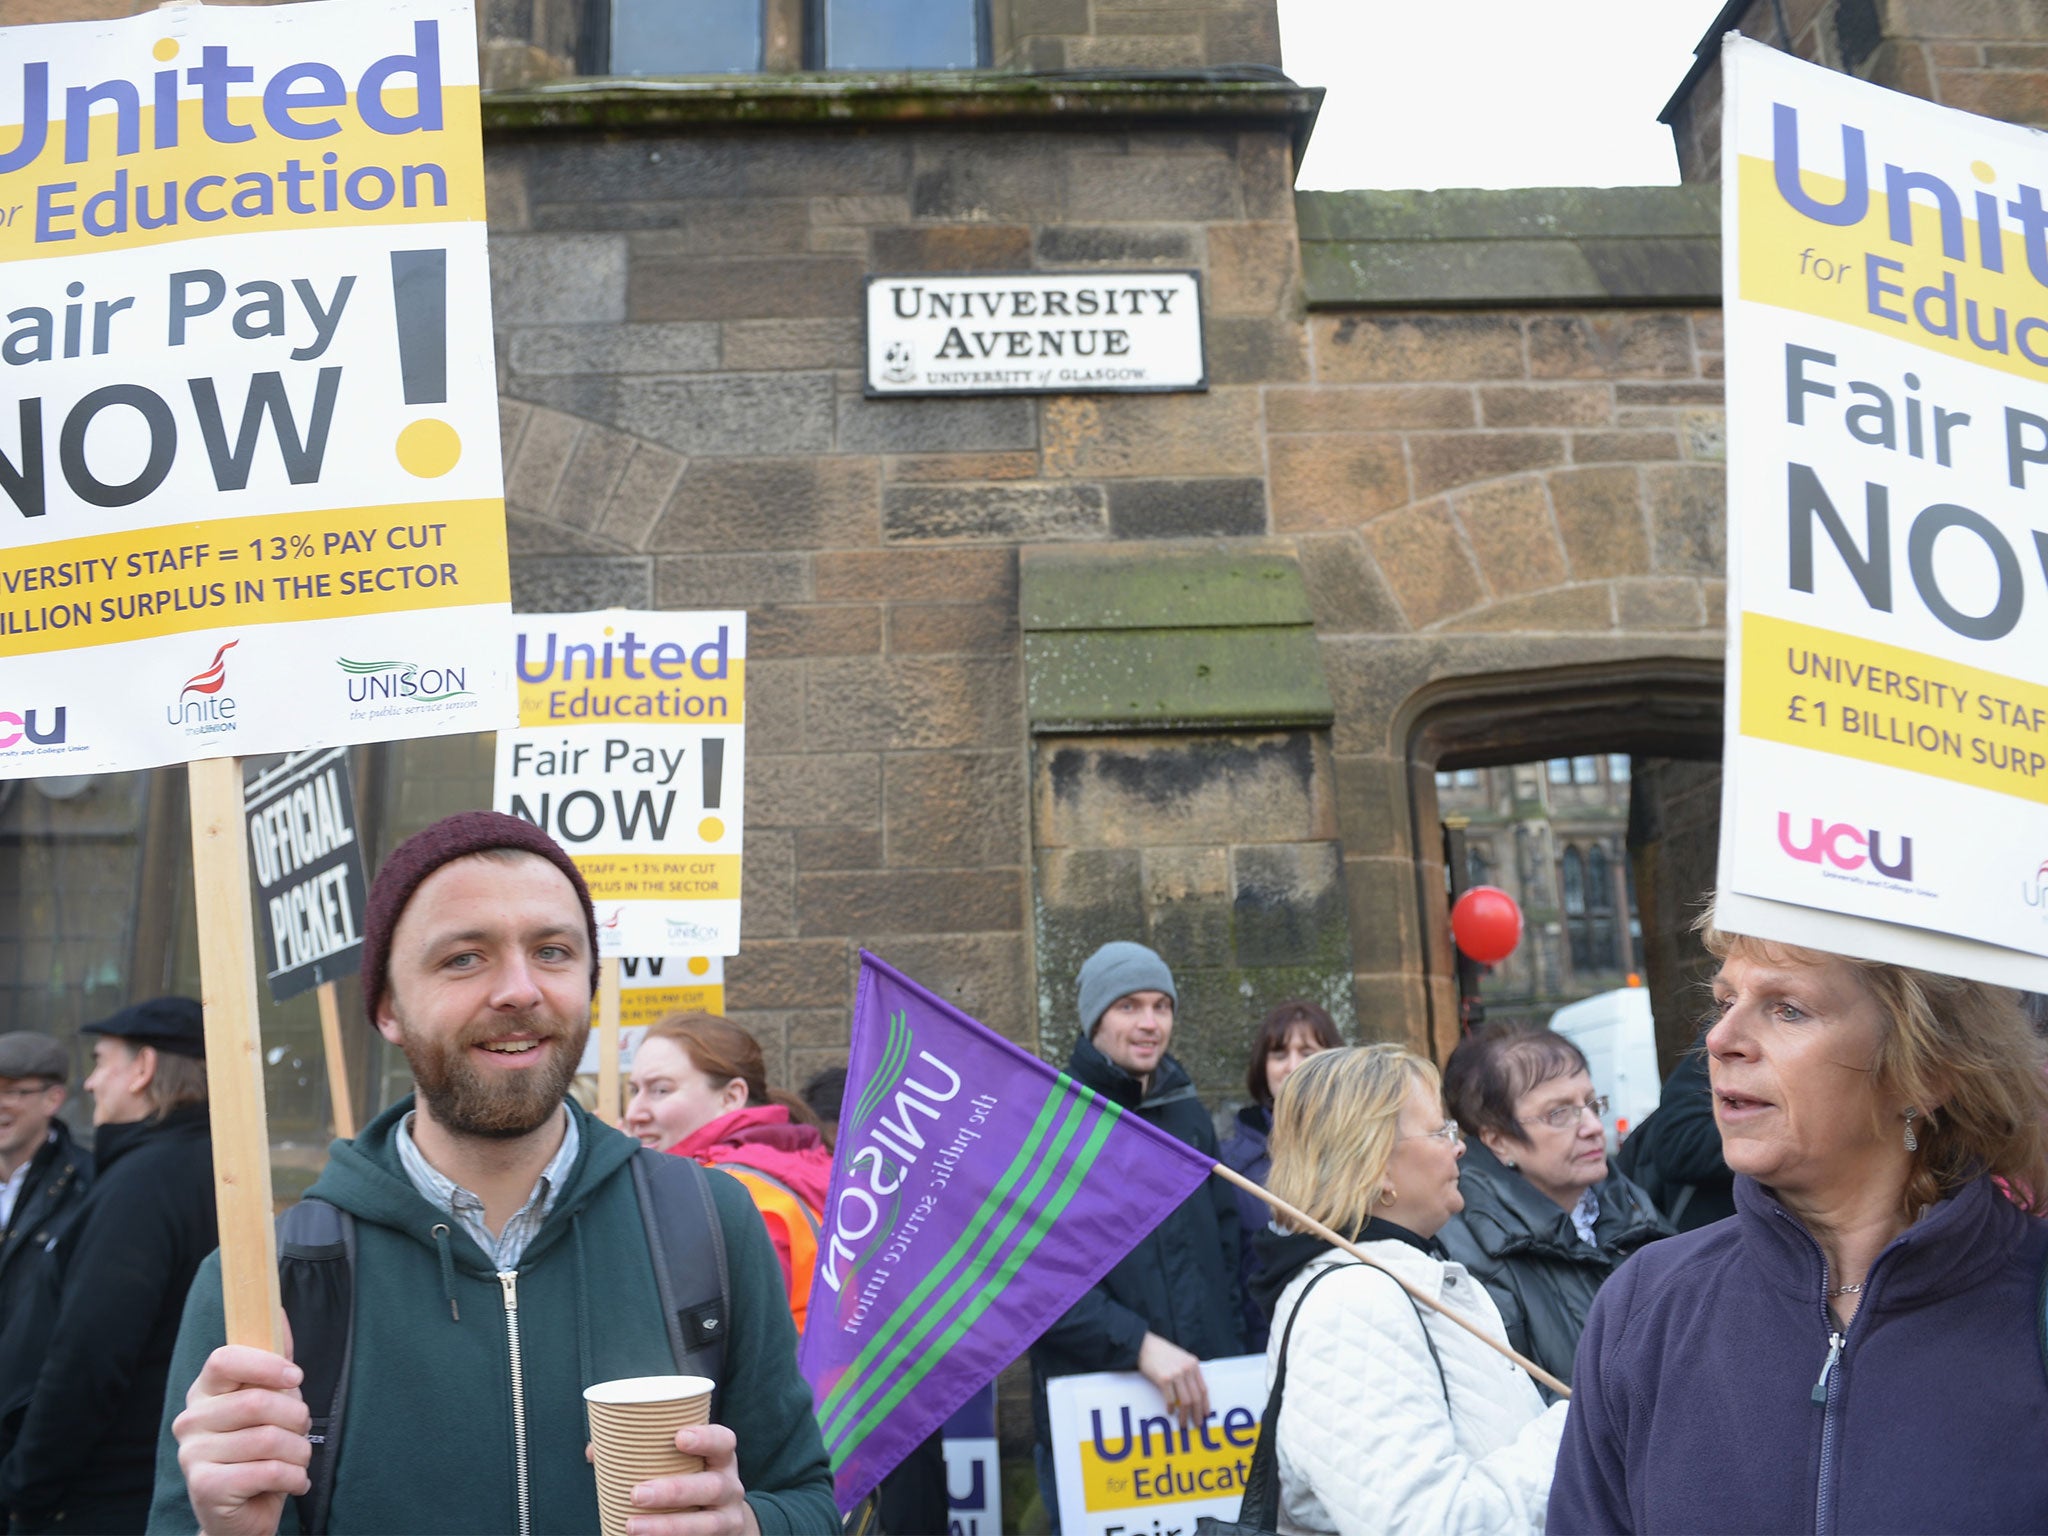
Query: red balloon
[1486, 923]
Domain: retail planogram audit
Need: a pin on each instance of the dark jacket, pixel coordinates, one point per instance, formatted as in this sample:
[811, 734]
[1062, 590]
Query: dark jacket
[58, 1176]
[1244, 1151]
[1180, 1282]
[1675, 1154]
[427, 1439]
[1523, 1247]
[1695, 1405]
[118, 1276]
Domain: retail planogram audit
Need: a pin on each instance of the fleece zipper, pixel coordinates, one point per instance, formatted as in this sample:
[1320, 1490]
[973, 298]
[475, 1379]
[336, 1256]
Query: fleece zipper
[509, 1280]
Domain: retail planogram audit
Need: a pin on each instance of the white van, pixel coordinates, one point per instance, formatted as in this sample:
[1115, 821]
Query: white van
[1619, 1039]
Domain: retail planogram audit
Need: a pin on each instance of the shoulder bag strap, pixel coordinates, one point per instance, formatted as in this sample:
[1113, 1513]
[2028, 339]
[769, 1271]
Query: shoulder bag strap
[1260, 1510]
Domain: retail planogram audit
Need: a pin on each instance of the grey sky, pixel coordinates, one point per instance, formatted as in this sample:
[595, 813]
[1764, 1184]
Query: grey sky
[1491, 93]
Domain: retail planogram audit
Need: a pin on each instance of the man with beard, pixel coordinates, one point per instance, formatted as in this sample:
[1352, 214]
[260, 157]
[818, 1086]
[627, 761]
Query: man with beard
[502, 1263]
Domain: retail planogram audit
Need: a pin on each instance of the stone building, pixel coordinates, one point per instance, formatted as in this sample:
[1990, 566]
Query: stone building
[1033, 672]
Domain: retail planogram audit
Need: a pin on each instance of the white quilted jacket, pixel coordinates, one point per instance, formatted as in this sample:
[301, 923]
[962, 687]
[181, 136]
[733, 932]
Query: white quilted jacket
[1367, 1445]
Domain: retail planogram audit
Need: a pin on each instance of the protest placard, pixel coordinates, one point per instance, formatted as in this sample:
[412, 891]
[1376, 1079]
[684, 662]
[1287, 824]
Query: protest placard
[652, 988]
[1125, 1467]
[310, 892]
[249, 472]
[1886, 288]
[308, 866]
[974, 1474]
[631, 752]
[244, 259]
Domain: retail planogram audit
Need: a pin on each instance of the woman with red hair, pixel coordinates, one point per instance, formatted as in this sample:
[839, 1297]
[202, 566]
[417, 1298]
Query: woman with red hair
[699, 1089]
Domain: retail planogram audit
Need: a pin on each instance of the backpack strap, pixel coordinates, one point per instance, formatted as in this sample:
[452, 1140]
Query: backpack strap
[316, 1263]
[687, 1243]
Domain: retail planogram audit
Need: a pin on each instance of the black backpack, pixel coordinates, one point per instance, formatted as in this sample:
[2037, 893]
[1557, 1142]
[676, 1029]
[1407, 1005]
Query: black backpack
[316, 1262]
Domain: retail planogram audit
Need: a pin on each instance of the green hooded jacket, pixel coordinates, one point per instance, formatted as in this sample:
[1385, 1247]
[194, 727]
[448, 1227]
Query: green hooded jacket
[427, 1437]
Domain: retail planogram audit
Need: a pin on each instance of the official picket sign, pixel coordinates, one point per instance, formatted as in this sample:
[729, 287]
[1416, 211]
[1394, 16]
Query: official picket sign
[1885, 791]
[1126, 1468]
[308, 866]
[250, 495]
[630, 752]
[650, 989]
[1034, 333]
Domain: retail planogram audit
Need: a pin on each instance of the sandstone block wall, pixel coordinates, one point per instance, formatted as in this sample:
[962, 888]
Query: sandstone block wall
[1983, 56]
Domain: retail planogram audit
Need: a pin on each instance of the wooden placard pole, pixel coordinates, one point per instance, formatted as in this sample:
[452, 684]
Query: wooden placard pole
[608, 1040]
[1308, 1223]
[234, 1055]
[337, 1063]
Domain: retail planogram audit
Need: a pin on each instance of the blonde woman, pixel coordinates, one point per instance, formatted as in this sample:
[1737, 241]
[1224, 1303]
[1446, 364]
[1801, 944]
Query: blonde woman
[1394, 1420]
[1859, 1347]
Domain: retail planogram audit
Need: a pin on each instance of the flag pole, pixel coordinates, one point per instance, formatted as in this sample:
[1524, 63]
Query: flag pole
[1308, 1223]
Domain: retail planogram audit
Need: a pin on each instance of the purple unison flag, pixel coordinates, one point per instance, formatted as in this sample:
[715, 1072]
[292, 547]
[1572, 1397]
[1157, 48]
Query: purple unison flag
[976, 1193]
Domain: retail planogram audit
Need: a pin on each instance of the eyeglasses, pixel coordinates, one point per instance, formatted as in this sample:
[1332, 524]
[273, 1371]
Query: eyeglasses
[1568, 1114]
[25, 1093]
[1448, 1131]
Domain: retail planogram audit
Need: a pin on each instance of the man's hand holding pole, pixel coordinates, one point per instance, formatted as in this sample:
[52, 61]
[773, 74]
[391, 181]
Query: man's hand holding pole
[242, 1440]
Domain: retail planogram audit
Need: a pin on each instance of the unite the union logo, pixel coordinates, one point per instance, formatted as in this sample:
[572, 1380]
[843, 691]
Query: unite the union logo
[203, 706]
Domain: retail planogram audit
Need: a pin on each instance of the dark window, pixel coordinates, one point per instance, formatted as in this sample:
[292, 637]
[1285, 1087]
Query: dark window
[699, 37]
[1574, 881]
[1478, 868]
[899, 34]
[1599, 885]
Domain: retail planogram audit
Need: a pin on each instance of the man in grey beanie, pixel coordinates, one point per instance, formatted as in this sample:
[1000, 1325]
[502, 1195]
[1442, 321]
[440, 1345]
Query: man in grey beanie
[1172, 1301]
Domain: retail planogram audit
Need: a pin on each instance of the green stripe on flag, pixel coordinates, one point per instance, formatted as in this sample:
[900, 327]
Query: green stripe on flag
[868, 1381]
[989, 1294]
[1027, 1156]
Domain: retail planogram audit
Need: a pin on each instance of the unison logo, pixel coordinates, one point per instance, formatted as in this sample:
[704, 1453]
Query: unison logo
[1844, 847]
[403, 680]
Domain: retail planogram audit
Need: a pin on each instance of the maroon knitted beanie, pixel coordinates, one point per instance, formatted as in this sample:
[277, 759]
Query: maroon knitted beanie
[452, 837]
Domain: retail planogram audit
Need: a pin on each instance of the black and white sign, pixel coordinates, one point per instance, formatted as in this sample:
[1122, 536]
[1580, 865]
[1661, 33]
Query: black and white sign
[1034, 333]
[309, 870]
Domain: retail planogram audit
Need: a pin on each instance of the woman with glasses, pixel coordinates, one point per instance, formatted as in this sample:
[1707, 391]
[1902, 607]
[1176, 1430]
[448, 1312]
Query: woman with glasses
[1393, 1420]
[1546, 1221]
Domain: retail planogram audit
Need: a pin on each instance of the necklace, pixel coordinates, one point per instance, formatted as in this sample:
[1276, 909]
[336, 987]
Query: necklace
[1848, 1290]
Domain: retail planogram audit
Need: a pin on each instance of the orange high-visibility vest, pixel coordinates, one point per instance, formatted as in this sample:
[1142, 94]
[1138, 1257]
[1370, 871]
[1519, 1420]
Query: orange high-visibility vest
[783, 1206]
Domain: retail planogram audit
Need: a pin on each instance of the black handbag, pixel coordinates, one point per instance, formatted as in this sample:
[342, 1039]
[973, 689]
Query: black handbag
[1259, 1514]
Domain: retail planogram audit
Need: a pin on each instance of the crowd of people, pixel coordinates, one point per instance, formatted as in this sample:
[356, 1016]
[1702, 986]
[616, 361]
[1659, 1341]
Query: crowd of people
[1813, 1299]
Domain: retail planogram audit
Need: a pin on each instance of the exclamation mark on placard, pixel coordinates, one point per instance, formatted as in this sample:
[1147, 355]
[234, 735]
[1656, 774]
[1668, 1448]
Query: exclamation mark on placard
[711, 829]
[419, 299]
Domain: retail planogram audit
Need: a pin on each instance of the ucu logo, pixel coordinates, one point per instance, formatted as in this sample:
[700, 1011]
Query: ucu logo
[1844, 847]
[26, 725]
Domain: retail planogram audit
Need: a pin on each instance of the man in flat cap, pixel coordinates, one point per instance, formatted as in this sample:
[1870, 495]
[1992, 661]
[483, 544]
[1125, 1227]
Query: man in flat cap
[44, 1174]
[502, 1263]
[113, 1283]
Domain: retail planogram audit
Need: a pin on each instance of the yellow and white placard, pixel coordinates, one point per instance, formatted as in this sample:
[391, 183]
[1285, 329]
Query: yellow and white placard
[1126, 1468]
[249, 475]
[1886, 283]
[631, 753]
[652, 988]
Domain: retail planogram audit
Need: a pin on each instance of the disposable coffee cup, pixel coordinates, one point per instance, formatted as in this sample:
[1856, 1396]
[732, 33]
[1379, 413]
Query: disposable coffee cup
[633, 1424]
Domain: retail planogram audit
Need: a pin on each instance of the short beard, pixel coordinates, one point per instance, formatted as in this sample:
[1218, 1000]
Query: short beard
[464, 1103]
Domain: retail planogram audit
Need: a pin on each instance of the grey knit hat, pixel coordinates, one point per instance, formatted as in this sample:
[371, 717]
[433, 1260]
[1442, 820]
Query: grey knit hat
[1117, 970]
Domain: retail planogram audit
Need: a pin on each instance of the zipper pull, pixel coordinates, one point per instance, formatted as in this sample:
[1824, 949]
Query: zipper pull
[1820, 1388]
[509, 1279]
